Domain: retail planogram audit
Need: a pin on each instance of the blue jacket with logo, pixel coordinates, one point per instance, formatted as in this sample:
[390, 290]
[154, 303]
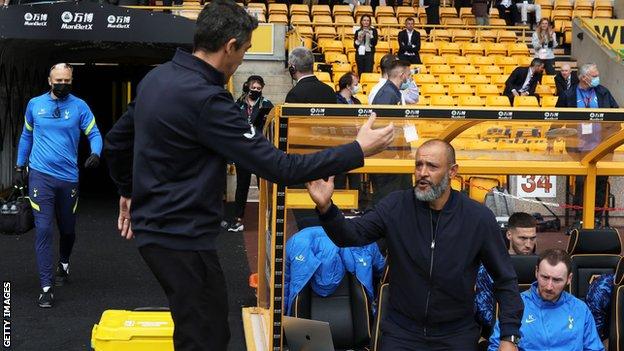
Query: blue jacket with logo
[312, 257]
[565, 325]
[51, 134]
[598, 299]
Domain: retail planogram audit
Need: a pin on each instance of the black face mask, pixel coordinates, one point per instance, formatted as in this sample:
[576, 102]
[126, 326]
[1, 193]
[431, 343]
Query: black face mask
[61, 90]
[255, 94]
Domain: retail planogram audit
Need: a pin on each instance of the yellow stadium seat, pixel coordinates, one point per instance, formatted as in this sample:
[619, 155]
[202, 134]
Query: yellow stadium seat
[563, 5]
[342, 19]
[465, 12]
[323, 76]
[462, 35]
[457, 183]
[602, 14]
[487, 90]
[305, 31]
[495, 49]
[361, 10]
[428, 48]
[517, 49]
[300, 20]
[423, 101]
[506, 36]
[476, 79]
[499, 81]
[340, 68]
[549, 101]
[486, 36]
[323, 20]
[450, 79]
[468, 100]
[347, 33]
[545, 4]
[452, 21]
[455, 90]
[524, 61]
[432, 89]
[421, 79]
[433, 60]
[278, 9]
[257, 5]
[331, 45]
[490, 70]
[497, 21]
[405, 11]
[561, 15]
[363, 98]
[494, 15]
[419, 68]
[325, 32]
[456, 60]
[582, 13]
[447, 12]
[548, 80]
[323, 10]
[391, 32]
[437, 70]
[449, 48]
[278, 18]
[525, 101]
[299, 9]
[543, 90]
[472, 49]
[479, 61]
[502, 61]
[331, 57]
[441, 100]
[465, 70]
[381, 21]
[603, 5]
[382, 47]
[583, 5]
[370, 78]
[341, 10]
[497, 101]
[508, 69]
[440, 35]
[384, 11]
[478, 187]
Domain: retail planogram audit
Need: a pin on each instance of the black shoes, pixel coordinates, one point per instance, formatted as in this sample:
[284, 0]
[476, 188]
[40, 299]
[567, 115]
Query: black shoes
[62, 275]
[46, 298]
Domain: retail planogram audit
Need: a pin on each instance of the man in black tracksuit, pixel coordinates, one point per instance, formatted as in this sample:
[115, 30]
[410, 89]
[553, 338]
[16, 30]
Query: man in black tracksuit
[436, 239]
[168, 154]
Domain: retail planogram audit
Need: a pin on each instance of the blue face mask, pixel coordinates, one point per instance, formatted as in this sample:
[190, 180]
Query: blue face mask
[405, 85]
[595, 82]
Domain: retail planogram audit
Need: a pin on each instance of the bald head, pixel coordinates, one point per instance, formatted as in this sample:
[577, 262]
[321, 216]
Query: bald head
[565, 71]
[60, 73]
[449, 151]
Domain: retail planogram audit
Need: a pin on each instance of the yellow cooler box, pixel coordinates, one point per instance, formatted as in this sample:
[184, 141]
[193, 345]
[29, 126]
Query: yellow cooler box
[133, 330]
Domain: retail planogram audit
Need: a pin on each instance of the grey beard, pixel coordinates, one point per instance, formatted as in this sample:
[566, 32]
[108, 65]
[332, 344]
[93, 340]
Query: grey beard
[434, 192]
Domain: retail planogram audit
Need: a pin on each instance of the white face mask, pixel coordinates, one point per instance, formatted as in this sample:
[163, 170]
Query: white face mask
[355, 89]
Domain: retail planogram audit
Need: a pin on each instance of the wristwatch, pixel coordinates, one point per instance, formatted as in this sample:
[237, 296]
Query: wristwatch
[511, 338]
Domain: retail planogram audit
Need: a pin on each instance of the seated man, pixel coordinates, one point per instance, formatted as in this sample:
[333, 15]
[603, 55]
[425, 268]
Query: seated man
[527, 6]
[522, 235]
[553, 319]
[523, 80]
[598, 299]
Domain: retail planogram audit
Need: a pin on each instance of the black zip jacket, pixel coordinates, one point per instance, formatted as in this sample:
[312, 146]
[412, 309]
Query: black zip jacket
[437, 297]
[185, 125]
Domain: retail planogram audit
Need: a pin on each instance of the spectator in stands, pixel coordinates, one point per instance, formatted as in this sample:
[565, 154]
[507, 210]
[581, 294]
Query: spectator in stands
[565, 79]
[480, 9]
[522, 236]
[544, 41]
[526, 6]
[432, 8]
[308, 88]
[408, 96]
[365, 41]
[588, 93]
[254, 109]
[398, 77]
[553, 319]
[48, 147]
[523, 80]
[436, 237]
[183, 126]
[508, 11]
[348, 86]
[409, 43]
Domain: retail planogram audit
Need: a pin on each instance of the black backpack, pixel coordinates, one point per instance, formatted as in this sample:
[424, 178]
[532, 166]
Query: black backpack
[16, 215]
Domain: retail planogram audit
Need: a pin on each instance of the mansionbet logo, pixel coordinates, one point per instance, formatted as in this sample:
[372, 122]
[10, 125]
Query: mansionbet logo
[77, 20]
[35, 19]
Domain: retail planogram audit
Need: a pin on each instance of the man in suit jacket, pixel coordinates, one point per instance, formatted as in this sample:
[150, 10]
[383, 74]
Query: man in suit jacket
[523, 80]
[565, 79]
[409, 43]
[308, 88]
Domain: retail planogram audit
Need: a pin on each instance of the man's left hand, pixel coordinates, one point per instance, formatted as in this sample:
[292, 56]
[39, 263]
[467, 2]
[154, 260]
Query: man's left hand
[93, 161]
[321, 192]
[507, 346]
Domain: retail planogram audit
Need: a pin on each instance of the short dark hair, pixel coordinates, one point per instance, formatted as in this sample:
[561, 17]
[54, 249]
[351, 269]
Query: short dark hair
[345, 80]
[220, 21]
[450, 150]
[386, 62]
[537, 62]
[409, 19]
[554, 257]
[397, 64]
[521, 220]
[255, 78]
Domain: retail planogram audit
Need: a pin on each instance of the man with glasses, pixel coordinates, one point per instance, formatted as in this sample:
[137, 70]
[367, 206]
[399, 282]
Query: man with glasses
[49, 147]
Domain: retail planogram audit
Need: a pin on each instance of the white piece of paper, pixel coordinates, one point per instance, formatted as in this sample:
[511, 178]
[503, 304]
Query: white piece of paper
[586, 128]
[361, 50]
[410, 133]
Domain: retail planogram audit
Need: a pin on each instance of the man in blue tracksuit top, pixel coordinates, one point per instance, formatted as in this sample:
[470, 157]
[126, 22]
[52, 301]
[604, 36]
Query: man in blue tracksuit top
[49, 146]
[436, 239]
[553, 319]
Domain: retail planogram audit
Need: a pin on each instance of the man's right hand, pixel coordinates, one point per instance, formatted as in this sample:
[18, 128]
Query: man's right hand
[507, 346]
[321, 192]
[373, 141]
[123, 222]
[20, 175]
[515, 92]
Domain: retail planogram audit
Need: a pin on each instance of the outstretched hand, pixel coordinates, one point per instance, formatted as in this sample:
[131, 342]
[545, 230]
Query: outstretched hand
[373, 141]
[321, 192]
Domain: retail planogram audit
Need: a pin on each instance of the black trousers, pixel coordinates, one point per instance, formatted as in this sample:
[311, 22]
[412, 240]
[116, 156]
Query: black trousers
[549, 66]
[195, 287]
[601, 194]
[413, 59]
[511, 15]
[433, 15]
[243, 179]
[364, 63]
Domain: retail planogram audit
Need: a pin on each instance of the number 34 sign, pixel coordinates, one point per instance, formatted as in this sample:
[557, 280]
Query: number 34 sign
[536, 186]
